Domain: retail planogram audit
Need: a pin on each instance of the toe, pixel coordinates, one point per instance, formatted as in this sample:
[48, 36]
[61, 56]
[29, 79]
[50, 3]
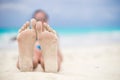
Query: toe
[39, 27]
[48, 28]
[33, 23]
[23, 28]
[27, 24]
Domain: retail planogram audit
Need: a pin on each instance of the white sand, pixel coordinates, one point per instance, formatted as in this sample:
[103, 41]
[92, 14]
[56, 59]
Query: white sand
[100, 62]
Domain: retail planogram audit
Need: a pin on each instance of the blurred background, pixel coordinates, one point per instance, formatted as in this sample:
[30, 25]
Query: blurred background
[78, 22]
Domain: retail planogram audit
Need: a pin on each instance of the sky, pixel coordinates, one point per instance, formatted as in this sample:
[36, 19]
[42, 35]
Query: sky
[62, 13]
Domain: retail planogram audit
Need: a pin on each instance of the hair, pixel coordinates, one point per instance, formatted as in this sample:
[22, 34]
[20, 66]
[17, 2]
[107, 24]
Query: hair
[40, 10]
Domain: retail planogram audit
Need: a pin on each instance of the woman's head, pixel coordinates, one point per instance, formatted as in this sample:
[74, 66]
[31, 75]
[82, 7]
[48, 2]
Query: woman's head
[40, 15]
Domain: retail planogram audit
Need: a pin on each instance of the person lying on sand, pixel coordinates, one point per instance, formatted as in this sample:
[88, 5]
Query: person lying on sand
[38, 44]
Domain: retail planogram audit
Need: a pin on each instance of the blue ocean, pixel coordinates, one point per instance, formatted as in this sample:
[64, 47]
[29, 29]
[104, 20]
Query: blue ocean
[69, 36]
[67, 30]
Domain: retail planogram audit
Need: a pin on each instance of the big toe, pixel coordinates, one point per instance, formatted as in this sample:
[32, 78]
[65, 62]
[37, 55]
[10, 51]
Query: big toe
[39, 27]
[33, 23]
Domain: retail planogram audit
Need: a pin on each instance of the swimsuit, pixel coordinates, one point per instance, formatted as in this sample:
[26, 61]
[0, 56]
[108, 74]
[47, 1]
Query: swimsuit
[38, 47]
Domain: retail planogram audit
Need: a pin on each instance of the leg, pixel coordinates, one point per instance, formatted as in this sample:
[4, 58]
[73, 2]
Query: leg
[26, 41]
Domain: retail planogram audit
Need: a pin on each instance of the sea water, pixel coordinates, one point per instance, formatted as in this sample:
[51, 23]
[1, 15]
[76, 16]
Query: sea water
[69, 36]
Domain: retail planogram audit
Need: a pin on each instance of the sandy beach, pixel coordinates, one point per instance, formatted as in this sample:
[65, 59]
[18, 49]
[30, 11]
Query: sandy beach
[97, 62]
[86, 57]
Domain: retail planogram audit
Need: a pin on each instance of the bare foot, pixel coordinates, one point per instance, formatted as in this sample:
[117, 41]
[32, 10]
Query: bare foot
[26, 40]
[48, 42]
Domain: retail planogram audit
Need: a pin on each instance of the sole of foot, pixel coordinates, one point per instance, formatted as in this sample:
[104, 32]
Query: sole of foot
[49, 44]
[26, 39]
